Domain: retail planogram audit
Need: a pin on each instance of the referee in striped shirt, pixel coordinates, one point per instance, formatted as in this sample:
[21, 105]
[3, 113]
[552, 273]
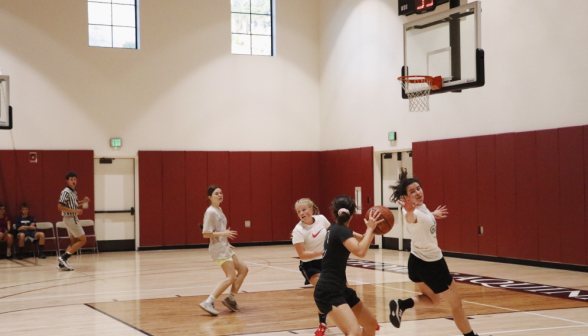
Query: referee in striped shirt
[68, 205]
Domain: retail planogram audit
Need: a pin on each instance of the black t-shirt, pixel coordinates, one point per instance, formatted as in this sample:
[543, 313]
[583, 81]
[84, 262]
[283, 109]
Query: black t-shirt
[335, 257]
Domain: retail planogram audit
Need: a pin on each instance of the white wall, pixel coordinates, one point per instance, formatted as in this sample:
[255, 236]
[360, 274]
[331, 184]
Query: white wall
[535, 74]
[183, 90]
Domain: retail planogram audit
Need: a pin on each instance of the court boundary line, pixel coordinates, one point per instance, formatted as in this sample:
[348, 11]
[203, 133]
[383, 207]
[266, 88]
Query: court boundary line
[121, 321]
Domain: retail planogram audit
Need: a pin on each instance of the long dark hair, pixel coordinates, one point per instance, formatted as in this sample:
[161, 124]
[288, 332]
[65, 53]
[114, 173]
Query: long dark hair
[404, 181]
[343, 202]
[211, 189]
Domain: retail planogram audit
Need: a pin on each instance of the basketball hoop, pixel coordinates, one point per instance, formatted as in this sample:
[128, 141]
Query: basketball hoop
[418, 89]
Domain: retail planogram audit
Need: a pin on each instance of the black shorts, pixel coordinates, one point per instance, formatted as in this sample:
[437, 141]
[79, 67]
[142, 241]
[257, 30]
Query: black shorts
[325, 298]
[434, 274]
[29, 235]
[310, 268]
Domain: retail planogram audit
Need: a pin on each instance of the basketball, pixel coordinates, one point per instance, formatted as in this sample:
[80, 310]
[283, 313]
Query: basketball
[388, 222]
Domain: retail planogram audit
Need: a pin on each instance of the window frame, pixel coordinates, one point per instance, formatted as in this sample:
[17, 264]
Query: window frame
[136, 27]
[272, 35]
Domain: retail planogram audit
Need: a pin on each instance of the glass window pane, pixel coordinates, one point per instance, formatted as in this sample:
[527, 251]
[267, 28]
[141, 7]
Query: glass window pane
[124, 37]
[99, 13]
[261, 45]
[100, 36]
[106, 1]
[123, 15]
[241, 44]
[240, 6]
[124, 2]
[261, 7]
[240, 23]
[261, 24]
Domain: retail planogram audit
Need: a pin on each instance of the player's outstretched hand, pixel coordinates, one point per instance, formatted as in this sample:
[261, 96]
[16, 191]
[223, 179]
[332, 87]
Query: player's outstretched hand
[373, 221]
[407, 204]
[230, 234]
[441, 212]
[86, 199]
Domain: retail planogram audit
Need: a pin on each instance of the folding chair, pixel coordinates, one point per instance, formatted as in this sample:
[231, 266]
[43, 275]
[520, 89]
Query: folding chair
[47, 227]
[91, 242]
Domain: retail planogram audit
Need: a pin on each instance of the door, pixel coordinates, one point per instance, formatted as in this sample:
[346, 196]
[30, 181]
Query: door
[114, 183]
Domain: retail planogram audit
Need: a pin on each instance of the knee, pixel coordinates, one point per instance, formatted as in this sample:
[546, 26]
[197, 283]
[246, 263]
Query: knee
[244, 270]
[82, 239]
[41, 234]
[232, 278]
[20, 236]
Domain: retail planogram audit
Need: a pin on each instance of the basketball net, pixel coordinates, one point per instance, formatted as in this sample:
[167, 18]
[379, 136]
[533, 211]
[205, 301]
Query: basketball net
[418, 89]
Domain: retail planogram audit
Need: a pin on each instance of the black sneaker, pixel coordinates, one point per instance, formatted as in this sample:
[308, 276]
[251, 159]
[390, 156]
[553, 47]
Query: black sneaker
[395, 313]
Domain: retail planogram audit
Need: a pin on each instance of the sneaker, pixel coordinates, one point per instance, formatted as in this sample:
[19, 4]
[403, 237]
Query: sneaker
[322, 329]
[395, 313]
[377, 327]
[209, 308]
[65, 264]
[42, 256]
[232, 305]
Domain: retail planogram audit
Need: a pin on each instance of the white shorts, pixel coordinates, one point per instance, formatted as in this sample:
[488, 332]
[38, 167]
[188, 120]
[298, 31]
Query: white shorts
[73, 226]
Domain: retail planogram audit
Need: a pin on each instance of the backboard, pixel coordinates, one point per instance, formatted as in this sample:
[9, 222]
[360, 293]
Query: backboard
[5, 109]
[446, 44]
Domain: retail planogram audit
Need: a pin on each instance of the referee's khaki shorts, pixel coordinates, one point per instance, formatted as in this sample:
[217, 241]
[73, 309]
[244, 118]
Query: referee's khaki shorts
[73, 226]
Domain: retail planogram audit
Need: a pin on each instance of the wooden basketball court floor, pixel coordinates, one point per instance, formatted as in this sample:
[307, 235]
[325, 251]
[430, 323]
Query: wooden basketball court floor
[158, 292]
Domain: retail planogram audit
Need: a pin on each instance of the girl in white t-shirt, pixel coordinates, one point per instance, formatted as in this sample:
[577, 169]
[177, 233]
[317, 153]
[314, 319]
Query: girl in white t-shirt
[426, 265]
[308, 238]
[215, 228]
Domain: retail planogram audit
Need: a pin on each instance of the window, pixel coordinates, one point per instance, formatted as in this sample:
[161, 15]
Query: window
[113, 23]
[252, 27]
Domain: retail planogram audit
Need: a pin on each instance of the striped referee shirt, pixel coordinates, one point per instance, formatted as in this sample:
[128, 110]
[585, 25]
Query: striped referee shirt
[69, 199]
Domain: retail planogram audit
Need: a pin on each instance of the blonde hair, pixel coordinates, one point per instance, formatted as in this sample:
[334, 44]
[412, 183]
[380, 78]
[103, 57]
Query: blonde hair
[308, 202]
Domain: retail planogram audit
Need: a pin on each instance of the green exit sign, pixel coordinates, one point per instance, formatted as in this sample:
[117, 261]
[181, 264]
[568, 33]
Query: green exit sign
[115, 143]
[392, 136]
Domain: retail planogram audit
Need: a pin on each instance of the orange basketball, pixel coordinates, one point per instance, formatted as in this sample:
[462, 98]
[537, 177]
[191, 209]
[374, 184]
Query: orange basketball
[388, 222]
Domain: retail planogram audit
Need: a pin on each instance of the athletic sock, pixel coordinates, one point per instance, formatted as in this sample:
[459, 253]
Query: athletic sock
[323, 318]
[41, 247]
[66, 256]
[232, 296]
[406, 304]
[210, 299]
[471, 333]
[8, 252]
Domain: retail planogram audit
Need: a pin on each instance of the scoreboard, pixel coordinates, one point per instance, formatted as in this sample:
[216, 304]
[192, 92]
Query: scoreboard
[409, 7]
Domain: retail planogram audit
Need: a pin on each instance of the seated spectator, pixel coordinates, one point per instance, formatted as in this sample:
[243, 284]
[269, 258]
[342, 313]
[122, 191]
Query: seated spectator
[26, 229]
[5, 231]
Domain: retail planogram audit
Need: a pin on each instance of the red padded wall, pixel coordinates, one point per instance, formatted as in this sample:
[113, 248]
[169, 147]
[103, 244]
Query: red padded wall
[82, 162]
[55, 166]
[218, 174]
[506, 196]
[367, 176]
[585, 133]
[350, 169]
[240, 185]
[305, 179]
[526, 201]
[282, 206]
[433, 190]
[8, 182]
[151, 198]
[261, 196]
[486, 185]
[420, 161]
[328, 161]
[196, 199]
[572, 203]
[549, 233]
[174, 198]
[451, 187]
[468, 192]
[29, 179]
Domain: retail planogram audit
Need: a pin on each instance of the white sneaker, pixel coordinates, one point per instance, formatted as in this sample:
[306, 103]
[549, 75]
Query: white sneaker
[64, 265]
[209, 308]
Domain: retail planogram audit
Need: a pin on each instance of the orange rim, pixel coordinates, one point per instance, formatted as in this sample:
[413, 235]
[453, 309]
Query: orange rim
[435, 82]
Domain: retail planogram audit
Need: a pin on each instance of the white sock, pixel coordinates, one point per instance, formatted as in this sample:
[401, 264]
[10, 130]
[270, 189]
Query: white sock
[232, 296]
[210, 299]
[8, 252]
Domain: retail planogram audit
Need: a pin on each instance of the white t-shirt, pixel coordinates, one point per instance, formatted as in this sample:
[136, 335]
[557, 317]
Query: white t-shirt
[215, 221]
[313, 236]
[423, 235]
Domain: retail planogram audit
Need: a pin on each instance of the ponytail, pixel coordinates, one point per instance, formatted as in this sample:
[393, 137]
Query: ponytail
[343, 208]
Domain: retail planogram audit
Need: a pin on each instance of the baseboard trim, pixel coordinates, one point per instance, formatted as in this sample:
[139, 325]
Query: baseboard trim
[536, 263]
[391, 243]
[196, 246]
[116, 245]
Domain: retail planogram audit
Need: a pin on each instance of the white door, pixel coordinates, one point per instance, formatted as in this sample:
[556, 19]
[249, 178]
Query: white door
[114, 185]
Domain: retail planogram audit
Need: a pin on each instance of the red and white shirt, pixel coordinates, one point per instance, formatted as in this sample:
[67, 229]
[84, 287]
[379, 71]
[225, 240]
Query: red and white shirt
[313, 236]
